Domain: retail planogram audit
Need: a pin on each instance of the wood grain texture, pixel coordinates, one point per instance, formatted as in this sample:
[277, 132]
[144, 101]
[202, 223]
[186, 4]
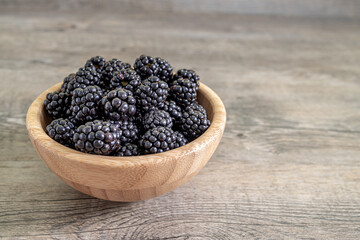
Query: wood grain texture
[304, 8]
[127, 179]
[287, 166]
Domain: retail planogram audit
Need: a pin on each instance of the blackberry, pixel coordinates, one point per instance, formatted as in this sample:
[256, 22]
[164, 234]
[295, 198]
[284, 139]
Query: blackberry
[193, 123]
[157, 118]
[183, 91]
[157, 140]
[109, 70]
[147, 66]
[165, 69]
[119, 104]
[126, 78]
[97, 62]
[85, 103]
[83, 78]
[87, 76]
[180, 139]
[62, 131]
[128, 149]
[67, 86]
[57, 104]
[151, 94]
[97, 137]
[173, 109]
[129, 131]
[188, 74]
[196, 106]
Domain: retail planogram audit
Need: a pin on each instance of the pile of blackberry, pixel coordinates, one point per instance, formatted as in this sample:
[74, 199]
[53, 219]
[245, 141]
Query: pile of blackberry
[113, 108]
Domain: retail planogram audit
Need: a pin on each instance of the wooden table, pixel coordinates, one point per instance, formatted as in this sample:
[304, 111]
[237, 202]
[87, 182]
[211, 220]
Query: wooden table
[288, 166]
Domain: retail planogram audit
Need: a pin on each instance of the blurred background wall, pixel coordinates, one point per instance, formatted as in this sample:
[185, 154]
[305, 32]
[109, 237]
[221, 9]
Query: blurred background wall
[311, 8]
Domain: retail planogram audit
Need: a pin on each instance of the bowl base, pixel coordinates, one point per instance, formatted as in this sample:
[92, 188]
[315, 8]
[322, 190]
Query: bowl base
[128, 195]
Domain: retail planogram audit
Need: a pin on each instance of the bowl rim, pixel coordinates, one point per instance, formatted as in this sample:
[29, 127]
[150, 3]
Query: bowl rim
[39, 136]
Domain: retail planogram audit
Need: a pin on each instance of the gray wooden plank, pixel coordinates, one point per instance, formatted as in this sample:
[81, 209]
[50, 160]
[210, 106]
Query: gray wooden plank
[304, 8]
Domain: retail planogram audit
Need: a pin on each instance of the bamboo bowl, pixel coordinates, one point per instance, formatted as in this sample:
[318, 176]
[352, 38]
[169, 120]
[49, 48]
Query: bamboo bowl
[127, 179]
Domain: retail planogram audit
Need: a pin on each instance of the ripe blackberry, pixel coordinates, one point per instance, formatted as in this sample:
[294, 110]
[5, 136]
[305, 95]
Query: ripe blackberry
[125, 78]
[193, 123]
[85, 103]
[67, 86]
[87, 76]
[173, 109]
[129, 131]
[157, 140]
[183, 91]
[147, 66]
[97, 62]
[97, 137]
[151, 94]
[62, 131]
[165, 69]
[157, 118]
[84, 77]
[180, 139]
[188, 74]
[109, 70]
[196, 106]
[57, 104]
[119, 104]
[128, 149]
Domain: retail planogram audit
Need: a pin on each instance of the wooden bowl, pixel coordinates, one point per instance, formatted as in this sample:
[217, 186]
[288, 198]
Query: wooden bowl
[127, 179]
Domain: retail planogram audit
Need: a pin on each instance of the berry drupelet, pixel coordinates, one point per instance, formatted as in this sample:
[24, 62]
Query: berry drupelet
[183, 91]
[188, 74]
[57, 104]
[62, 131]
[97, 137]
[119, 104]
[193, 123]
[128, 149]
[158, 140]
[151, 94]
[85, 103]
[109, 70]
[125, 78]
[157, 118]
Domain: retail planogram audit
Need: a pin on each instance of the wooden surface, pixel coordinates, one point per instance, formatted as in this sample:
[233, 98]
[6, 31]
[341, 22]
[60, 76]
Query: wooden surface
[288, 165]
[127, 179]
[305, 8]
